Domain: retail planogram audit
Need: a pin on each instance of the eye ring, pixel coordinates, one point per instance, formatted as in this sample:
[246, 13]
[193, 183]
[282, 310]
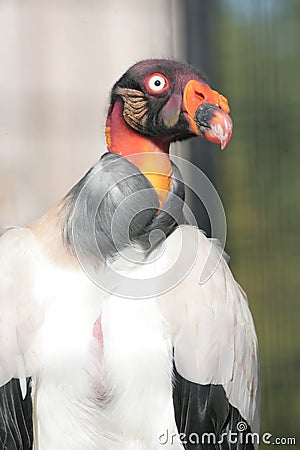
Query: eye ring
[156, 83]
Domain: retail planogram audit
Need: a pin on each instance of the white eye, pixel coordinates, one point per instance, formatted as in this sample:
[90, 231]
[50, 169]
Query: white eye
[157, 83]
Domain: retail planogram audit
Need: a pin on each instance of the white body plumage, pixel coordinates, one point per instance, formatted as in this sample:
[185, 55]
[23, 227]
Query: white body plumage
[114, 390]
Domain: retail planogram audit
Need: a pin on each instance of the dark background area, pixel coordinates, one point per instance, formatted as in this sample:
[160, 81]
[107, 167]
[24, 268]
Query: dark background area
[251, 51]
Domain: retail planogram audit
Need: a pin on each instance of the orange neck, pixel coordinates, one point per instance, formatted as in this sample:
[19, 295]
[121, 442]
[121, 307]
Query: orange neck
[149, 155]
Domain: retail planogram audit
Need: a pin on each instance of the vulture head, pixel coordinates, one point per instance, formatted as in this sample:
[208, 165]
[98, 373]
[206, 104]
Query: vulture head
[165, 101]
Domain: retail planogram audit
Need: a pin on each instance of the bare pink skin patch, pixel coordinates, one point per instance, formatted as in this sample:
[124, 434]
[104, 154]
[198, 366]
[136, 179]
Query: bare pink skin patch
[99, 382]
[97, 333]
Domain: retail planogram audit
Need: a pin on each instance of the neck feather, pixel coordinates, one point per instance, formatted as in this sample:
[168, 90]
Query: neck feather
[151, 156]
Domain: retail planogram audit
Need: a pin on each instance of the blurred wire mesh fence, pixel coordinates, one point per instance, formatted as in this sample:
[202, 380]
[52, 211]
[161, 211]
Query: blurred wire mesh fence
[251, 51]
[59, 60]
[256, 48]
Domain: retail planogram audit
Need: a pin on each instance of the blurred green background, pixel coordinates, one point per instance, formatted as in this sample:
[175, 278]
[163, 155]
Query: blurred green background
[256, 62]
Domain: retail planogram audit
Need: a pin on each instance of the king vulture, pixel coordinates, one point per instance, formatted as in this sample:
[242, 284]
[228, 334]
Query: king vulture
[110, 339]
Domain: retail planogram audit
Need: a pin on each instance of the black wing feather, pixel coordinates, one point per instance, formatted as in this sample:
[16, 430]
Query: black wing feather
[203, 411]
[16, 426]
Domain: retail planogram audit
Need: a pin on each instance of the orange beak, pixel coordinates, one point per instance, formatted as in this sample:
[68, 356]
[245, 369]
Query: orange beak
[207, 112]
